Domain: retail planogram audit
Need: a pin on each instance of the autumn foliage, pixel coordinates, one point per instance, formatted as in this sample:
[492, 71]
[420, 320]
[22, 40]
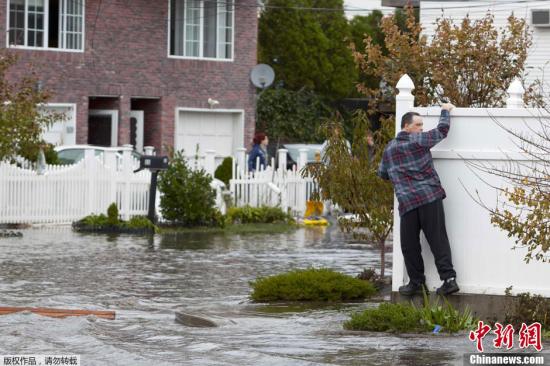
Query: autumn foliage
[471, 64]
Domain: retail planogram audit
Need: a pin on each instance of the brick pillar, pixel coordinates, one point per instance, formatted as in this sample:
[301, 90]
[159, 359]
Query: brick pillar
[167, 123]
[124, 120]
[82, 120]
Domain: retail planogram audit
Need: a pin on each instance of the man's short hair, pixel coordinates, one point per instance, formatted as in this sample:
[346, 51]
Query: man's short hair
[408, 118]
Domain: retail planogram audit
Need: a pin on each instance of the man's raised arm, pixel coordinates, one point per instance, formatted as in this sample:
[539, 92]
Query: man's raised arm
[434, 136]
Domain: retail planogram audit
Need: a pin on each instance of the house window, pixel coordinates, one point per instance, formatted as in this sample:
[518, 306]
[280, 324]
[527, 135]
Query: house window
[46, 24]
[201, 28]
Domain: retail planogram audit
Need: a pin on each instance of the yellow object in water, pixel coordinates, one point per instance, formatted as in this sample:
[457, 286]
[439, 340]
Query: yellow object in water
[318, 221]
[314, 208]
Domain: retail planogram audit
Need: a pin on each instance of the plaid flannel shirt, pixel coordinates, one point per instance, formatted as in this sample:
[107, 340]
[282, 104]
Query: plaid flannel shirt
[407, 163]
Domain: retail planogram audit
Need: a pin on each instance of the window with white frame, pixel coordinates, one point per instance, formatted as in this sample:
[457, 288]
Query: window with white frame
[46, 24]
[201, 28]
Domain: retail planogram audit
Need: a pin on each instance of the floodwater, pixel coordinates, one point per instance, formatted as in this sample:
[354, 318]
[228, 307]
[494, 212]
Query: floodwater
[146, 280]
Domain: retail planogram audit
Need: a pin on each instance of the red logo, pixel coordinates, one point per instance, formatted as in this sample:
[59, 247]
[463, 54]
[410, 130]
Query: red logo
[528, 336]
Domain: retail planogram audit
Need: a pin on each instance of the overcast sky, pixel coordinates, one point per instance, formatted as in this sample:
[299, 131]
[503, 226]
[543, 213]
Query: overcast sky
[363, 4]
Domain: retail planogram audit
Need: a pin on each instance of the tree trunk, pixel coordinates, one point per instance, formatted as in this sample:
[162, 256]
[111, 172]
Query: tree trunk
[382, 258]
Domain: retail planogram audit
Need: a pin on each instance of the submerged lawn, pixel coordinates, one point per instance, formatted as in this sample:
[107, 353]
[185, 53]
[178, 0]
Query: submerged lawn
[234, 229]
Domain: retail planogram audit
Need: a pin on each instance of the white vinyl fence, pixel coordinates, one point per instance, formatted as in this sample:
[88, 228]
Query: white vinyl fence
[271, 187]
[482, 253]
[62, 194]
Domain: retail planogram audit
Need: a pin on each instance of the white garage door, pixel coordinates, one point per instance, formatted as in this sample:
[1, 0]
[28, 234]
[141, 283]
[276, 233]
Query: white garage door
[219, 131]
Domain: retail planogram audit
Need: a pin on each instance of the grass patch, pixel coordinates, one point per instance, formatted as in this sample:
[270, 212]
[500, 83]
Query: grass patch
[387, 317]
[406, 318]
[320, 285]
[450, 319]
[257, 215]
[231, 229]
[103, 224]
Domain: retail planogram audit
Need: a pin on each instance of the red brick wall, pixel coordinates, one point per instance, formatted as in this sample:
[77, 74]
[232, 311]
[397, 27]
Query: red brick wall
[126, 56]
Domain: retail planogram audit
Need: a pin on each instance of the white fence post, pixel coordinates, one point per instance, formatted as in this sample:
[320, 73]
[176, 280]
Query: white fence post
[149, 150]
[515, 95]
[404, 102]
[91, 167]
[110, 161]
[302, 160]
[210, 162]
[127, 177]
[241, 162]
[282, 153]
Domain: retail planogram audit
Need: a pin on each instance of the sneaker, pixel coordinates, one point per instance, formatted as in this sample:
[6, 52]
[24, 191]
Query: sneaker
[449, 287]
[412, 289]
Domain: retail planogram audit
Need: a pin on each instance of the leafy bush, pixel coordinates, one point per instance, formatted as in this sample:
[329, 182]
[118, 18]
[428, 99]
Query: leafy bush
[311, 285]
[373, 277]
[257, 215]
[225, 170]
[98, 223]
[112, 214]
[387, 317]
[449, 318]
[529, 309]
[140, 222]
[187, 197]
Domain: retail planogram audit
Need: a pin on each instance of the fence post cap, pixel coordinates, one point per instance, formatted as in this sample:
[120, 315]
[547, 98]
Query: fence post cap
[405, 83]
[515, 94]
[516, 87]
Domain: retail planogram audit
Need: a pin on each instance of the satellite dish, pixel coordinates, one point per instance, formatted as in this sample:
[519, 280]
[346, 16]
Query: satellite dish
[262, 76]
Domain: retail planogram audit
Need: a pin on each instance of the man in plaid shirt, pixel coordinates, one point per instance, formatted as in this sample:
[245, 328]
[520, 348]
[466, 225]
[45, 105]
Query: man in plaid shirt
[407, 163]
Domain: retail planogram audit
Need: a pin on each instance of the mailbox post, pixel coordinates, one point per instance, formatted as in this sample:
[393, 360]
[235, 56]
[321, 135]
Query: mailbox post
[154, 164]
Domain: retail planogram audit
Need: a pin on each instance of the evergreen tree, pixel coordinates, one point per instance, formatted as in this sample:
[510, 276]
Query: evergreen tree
[308, 48]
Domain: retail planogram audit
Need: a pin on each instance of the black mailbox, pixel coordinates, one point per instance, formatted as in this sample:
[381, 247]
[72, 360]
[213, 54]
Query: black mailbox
[152, 162]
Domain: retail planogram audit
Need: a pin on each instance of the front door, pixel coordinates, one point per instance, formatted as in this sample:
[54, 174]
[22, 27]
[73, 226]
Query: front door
[103, 127]
[136, 130]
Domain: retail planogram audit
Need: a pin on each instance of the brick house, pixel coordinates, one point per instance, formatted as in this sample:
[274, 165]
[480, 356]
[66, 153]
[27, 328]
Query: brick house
[160, 73]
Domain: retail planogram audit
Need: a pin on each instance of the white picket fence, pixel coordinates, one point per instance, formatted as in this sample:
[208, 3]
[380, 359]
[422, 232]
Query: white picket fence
[62, 194]
[271, 187]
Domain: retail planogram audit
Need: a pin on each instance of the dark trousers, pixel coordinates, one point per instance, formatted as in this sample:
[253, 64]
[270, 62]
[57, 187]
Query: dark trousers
[429, 218]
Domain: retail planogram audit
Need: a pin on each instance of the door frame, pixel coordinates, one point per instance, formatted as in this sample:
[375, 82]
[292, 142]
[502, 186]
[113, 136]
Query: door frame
[139, 116]
[113, 113]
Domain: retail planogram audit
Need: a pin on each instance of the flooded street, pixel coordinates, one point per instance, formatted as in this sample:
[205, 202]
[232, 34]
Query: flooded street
[147, 280]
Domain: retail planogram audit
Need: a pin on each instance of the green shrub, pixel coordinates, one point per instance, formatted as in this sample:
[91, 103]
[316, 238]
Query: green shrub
[387, 317]
[98, 221]
[51, 155]
[187, 197]
[311, 285]
[529, 309]
[112, 214]
[257, 215]
[446, 316]
[102, 223]
[31, 153]
[225, 170]
[140, 222]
